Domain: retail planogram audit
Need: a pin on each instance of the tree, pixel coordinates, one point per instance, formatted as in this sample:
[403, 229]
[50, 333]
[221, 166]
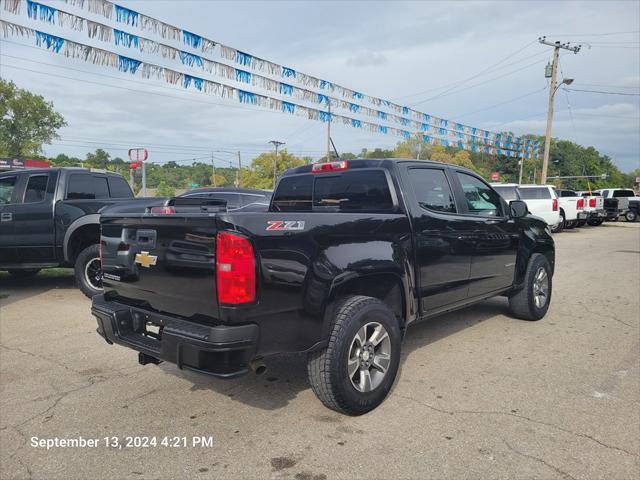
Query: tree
[98, 159]
[27, 121]
[261, 173]
[164, 190]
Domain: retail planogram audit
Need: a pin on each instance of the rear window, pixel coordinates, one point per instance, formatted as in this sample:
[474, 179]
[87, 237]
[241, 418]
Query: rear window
[352, 191]
[623, 193]
[568, 193]
[119, 188]
[508, 193]
[36, 189]
[534, 193]
[89, 187]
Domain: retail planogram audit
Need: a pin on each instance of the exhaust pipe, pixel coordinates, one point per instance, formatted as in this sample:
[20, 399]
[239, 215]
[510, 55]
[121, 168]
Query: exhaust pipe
[258, 367]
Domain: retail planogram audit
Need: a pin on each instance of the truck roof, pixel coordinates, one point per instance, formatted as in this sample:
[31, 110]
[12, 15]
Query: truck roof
[60, 169]
[376, 163]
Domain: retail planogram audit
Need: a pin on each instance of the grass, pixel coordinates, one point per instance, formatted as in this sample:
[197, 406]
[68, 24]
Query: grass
[48, 272]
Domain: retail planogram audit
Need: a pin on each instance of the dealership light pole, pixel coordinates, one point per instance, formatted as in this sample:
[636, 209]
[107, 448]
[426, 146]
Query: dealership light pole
[552, 93]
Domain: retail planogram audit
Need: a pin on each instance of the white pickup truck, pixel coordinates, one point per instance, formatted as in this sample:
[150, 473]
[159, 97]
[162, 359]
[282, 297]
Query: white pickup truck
[571, 208]
[594, 206]
[621, 201]
[542, 202]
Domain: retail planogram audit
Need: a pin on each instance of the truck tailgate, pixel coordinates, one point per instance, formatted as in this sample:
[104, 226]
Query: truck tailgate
[164, 262]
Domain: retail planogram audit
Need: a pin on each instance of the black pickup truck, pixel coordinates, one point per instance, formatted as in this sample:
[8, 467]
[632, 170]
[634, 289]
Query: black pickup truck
[347, 256]
[49, 218]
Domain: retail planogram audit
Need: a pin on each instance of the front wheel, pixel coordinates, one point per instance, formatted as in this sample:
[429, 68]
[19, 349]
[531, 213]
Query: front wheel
[532, 301]
[354, 373]
[631, 216]
[88, 271]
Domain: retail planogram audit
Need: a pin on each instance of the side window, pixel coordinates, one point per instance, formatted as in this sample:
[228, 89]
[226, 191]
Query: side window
[432, 189]
[119, 188]
[7, 184]
[36, 189]
[481, 198]
[84, 186]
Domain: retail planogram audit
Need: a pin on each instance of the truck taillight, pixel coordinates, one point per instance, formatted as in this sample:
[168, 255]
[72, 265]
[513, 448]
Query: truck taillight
[592, 202]
[235, 269]
[555, 204]
[163, 210]
[329, 167]
[580, 203]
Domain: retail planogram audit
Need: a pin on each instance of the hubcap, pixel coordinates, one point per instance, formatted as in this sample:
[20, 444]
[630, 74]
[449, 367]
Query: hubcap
[369, 357]
[540, 287]
[93, 273]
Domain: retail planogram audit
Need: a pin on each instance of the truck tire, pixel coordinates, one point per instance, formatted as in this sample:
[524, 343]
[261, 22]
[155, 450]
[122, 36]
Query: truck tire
[631, 216]
[595, 222]
[532, 301]
[581, 223]
[24, 273]
[354, 373]
[559, 226]
[88, 271]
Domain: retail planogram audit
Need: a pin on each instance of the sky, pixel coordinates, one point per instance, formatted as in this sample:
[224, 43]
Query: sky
[476, 62]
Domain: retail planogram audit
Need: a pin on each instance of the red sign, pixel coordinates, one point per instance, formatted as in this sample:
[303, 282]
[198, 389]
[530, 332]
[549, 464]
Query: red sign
[138, 154]
[495, 176]
[136, 165]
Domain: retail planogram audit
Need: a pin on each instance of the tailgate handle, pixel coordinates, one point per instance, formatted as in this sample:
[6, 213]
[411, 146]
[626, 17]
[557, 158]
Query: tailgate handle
[146, 238]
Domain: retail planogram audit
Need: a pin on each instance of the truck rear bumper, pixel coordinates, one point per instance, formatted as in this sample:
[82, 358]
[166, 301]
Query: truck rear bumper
[221, 351]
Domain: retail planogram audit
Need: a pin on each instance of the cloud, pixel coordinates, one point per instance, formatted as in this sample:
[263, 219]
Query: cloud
[367, 59]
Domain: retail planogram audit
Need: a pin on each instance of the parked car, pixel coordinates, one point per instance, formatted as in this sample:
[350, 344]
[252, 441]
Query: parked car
[49, 218]
[346, 257]
[594, 206]
[571, 205]
[542, 201]
[621, 201]
[236, 198]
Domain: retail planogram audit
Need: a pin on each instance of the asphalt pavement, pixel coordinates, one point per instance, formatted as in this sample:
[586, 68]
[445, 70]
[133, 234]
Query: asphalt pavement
[479, 394]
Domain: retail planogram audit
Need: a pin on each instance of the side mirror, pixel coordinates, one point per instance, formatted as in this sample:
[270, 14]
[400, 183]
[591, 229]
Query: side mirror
[518, 209]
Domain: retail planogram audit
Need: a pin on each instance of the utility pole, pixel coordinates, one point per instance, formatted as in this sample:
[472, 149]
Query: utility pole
[553, 87]
[213, 167]
[521, 163]
[239, 176]
[276, 144]
[329, 134]
[419, 144]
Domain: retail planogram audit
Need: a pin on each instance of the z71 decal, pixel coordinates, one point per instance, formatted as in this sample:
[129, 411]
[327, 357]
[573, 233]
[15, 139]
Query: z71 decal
[285, 225]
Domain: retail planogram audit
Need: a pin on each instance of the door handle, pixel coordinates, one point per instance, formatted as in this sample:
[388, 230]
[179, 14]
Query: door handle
[6, 217]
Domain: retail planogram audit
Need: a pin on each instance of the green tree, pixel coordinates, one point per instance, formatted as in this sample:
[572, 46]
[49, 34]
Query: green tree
[98, 159]
[164, 190]
[262, 169]
[27, 121]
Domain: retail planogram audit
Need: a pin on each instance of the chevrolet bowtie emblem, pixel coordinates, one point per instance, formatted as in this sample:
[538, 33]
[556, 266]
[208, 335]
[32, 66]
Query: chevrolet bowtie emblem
[146, 260]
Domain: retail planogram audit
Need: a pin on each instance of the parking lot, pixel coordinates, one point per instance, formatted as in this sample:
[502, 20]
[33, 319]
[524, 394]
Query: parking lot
[479, 394]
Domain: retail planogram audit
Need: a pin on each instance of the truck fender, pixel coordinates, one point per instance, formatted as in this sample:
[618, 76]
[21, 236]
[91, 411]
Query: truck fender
[91, 219]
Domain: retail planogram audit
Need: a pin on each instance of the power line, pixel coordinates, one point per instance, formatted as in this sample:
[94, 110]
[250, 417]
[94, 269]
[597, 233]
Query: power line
[591, 34]
[459, 82]
[480, 83]
[603, 92]
[501, 103]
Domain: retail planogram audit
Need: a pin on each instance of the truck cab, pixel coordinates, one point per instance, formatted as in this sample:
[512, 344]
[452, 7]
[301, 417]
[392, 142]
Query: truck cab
[49, 218]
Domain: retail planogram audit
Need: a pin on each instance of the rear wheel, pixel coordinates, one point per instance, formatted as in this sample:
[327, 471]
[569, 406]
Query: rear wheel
[595, 222]
[356, 370]
[25, 273]
[88, 271]
[581, 223]
[560, 225]
[532, 301]
[631, 216]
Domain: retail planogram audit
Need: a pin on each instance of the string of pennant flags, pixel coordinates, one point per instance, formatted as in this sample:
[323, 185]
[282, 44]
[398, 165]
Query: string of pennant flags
[431, 128]
[121, 38]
